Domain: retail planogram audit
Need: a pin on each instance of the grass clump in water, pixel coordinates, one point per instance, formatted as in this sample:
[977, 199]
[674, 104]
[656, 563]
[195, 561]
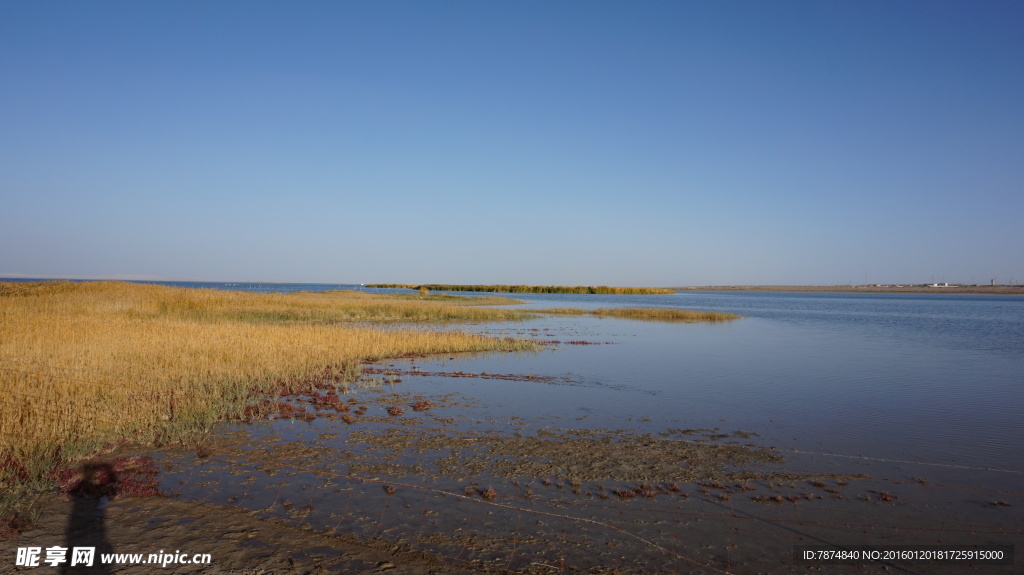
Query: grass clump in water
[647, 313]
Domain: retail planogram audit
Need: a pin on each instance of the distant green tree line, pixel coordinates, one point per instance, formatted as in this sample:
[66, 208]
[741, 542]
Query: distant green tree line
[531, 289]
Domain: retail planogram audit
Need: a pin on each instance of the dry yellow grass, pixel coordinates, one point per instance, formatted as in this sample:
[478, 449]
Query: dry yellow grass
[82, 364]
[647, 313]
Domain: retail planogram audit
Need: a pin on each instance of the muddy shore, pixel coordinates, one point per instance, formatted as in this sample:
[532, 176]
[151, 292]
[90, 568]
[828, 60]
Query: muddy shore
[430, 491]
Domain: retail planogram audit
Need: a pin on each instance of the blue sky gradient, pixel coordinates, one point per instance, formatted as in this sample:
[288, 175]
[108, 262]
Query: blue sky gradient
[618, 143]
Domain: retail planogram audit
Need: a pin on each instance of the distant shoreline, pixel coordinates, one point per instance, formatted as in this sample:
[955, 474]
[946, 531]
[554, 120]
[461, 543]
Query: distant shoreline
[960, 289]
[530, 289]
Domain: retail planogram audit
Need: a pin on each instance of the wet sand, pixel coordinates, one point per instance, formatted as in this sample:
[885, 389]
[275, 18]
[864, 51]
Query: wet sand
[237, 540]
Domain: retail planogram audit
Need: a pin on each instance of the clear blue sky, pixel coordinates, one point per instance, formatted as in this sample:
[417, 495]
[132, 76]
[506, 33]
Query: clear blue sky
[619, 143]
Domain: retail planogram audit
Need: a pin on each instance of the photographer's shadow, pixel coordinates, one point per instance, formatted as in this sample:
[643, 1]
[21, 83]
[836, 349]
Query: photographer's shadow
[87, 525]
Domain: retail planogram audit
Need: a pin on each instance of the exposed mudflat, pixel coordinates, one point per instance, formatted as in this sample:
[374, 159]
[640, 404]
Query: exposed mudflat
[237, 541]
[352, 501]
[575, 455]
[417, 495]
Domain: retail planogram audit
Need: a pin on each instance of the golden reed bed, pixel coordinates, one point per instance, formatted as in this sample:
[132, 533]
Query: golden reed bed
[85, 364]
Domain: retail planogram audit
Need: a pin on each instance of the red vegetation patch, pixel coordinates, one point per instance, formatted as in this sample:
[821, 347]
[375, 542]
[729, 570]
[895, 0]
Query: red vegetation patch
[11, 526]
[329, 401]
[124, 477]
[287, 410]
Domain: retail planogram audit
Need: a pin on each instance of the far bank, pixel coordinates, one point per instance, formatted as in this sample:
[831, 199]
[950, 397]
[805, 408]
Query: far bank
[958, 289]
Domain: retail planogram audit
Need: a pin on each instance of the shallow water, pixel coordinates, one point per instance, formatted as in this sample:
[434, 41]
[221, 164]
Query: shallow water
[931, 379]
[923, 393]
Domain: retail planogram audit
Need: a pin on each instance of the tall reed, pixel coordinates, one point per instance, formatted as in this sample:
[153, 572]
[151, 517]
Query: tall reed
[86, 364]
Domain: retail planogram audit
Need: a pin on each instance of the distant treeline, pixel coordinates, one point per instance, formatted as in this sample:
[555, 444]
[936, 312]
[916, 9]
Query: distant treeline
[531, 289]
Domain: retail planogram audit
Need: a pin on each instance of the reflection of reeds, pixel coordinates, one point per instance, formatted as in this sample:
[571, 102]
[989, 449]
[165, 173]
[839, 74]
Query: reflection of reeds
[646, 313]
[531, 289]
[87, 364]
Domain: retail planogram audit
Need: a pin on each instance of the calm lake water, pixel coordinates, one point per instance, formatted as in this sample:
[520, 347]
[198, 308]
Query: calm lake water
[921, 395]
[935, 379]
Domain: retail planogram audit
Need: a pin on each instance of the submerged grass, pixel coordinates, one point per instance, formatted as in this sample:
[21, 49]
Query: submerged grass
[532, 289]
[646, 313]
[83, 365]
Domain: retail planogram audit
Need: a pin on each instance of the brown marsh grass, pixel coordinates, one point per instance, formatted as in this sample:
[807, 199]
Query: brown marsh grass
[646, 313]
[88, 364]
